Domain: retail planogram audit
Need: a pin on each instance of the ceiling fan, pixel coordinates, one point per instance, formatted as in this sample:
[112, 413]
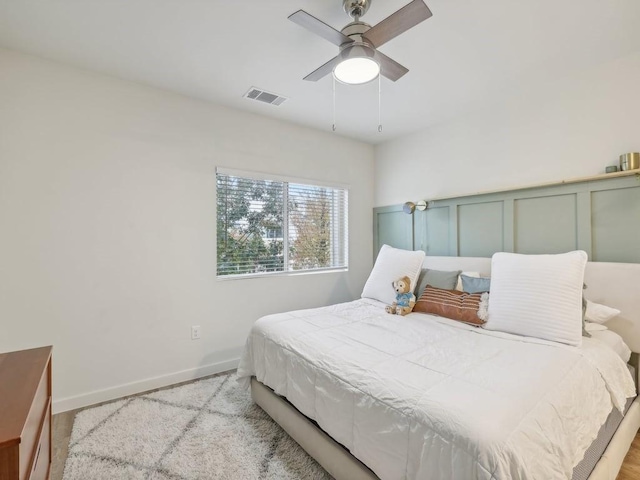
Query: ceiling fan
[359, 60]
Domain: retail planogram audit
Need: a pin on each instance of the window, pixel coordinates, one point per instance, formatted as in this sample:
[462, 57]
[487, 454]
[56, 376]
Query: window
[267, 225]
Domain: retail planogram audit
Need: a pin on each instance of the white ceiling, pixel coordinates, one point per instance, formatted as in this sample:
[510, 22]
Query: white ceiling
[469, 53]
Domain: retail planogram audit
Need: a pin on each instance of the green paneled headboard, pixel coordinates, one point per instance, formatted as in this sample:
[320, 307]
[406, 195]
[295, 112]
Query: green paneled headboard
[600, 215]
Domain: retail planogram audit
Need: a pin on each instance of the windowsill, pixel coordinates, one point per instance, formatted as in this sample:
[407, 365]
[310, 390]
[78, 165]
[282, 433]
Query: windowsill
[294, 273]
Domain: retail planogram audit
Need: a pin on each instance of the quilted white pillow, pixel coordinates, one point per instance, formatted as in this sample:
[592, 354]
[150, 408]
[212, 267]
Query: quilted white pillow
[538, 295]
[392, 264]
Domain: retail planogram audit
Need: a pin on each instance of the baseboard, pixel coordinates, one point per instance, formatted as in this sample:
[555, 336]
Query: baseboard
[99, 396]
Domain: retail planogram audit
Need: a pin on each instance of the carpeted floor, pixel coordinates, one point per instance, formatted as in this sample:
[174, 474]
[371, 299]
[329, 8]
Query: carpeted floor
[208, 429]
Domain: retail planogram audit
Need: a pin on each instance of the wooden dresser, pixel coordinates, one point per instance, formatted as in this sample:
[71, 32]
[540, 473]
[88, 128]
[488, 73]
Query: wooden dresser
[25, 414]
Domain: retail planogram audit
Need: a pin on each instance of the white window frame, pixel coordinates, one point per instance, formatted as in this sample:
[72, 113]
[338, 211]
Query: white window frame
[335, 232]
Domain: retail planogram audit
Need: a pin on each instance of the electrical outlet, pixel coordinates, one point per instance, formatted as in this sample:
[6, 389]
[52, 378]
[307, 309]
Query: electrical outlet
[195, 332]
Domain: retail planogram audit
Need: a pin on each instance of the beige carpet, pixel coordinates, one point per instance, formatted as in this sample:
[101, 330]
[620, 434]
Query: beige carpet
[203, 430]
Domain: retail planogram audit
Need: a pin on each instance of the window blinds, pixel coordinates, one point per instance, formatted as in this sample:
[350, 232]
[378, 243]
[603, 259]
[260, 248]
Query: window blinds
[266, 226]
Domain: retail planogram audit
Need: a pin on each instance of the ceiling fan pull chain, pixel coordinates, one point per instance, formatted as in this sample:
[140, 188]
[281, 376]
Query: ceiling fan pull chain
[379, 104]
[333, 127]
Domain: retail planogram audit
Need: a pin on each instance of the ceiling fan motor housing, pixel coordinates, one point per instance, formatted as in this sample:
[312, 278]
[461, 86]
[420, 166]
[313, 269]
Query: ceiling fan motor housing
[356, 8]
[360, 46]
[356, 30]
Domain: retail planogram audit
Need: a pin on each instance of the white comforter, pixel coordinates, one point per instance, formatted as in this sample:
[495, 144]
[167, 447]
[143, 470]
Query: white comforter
[421, 397]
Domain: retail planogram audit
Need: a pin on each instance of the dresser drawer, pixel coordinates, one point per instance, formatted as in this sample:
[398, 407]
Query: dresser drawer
[25, 414]
[42, 453]
[31, 431]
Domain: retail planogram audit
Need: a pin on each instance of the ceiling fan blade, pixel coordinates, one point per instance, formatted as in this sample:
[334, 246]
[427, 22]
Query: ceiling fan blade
[318, 27]
[390, 68]
[399, 22]
[324, 70]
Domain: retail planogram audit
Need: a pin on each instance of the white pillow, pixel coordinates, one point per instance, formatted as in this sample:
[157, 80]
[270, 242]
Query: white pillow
[598, 313]
[594, 327]
[538, 295]
[468, 274]
[392, 264]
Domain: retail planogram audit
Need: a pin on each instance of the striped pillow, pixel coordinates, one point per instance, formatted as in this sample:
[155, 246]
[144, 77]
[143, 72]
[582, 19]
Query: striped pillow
[538, 295]
[464, 307]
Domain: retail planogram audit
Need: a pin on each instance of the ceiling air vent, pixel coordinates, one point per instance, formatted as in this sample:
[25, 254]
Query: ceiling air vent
[264, 97]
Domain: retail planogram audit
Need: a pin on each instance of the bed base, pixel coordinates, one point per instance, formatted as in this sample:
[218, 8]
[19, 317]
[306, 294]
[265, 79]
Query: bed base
[333, 457]
[337, 460]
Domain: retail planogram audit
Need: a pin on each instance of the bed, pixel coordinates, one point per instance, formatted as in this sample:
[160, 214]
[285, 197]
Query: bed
[371, 395]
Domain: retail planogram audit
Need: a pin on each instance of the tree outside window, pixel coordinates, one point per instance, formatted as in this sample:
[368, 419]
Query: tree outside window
[266, 226]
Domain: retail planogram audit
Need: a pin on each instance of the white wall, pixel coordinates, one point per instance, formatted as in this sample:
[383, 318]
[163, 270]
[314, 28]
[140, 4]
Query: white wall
[107, 218]
[563, 128]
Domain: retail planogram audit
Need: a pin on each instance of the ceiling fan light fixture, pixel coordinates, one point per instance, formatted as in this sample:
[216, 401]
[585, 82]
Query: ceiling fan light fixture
[357, 70]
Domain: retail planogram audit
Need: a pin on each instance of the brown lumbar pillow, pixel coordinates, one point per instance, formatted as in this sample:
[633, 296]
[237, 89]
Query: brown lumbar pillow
[464, 307]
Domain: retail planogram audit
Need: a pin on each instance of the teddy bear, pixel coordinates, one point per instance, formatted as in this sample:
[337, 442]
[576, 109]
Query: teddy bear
[405, 299]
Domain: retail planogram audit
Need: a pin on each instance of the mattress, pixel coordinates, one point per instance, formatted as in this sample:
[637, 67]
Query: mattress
[422, 397]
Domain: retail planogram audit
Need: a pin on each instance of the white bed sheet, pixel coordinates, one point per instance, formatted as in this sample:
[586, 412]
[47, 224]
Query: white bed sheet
[615, 341]
[423, 397]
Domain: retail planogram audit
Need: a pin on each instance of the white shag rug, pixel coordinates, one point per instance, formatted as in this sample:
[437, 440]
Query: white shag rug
[208, 429]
